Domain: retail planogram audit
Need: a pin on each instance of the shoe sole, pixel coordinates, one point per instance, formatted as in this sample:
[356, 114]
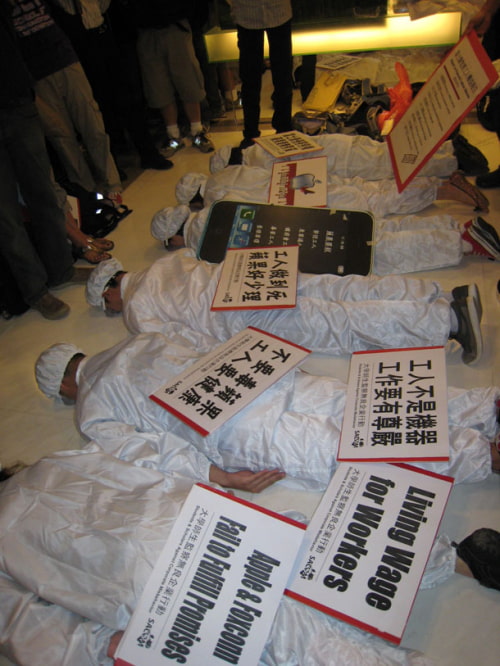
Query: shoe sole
[469, 290]
[487, 230]
[474, 318]
[483, 242]
[168, 152]
[54, 316]
[208, 149]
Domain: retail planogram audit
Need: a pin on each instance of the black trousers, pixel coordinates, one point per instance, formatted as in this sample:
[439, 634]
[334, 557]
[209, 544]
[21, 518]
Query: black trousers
[251, 47]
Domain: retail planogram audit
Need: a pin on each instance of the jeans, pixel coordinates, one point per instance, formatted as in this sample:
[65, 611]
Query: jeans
[251, 47]
[37, 252]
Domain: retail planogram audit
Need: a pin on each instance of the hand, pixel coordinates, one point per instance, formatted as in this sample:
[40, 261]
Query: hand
[252, 482]
[481, 21]
[113, 644]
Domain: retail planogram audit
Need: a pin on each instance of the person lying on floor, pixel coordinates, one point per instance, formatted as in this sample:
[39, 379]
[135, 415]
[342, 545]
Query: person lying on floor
[380, 197]
[405, 245]
[293, 427]
[334, 315]
[94, 526]
[363, 159]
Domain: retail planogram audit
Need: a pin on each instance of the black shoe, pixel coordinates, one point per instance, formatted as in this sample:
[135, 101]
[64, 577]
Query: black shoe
[469, 290]
[156, 161]
[246, 143]
[470, 159]
[236, 156]
[481, 553]
[489, 180]
[468, 313]
[202, 142]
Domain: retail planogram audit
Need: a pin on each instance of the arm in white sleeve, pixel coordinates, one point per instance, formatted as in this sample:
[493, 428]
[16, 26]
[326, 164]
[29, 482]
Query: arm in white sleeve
[166, 452]
[36, 633]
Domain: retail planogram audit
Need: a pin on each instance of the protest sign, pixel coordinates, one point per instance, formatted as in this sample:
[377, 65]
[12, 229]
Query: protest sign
[330, 241]
[366, 547]
[258, 279]
[288, 144]
[221, 383]
[299, 182]
[214, 591]
[449, 94]
[396, 406]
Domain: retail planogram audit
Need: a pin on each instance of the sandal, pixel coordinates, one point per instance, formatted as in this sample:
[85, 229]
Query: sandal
[100, 244]
[92, 254]
[477, 198]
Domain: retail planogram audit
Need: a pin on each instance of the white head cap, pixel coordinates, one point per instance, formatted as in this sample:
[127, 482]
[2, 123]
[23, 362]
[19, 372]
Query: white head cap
[167, 221]
[220, 159]
[50, 367]
[189, 186]
[98, 279]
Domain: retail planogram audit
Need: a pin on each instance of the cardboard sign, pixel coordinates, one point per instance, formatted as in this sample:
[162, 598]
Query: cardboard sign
[258, 279]
[330, 241]
[220, 384]
[396, 406]
[214, 591]
[366, 547]
[288, 144]
[299, 183]
[456, 85]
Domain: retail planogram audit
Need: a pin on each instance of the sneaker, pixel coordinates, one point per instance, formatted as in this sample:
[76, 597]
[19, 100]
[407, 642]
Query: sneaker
[171, 146]
[469, 290]
[203, 143]
[482, 230]
[480, 242]
[489, 180]
[51, 307]
[481, 552]
[468, 313]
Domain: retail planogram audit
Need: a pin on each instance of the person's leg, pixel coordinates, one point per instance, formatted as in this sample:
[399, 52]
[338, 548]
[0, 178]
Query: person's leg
[416, 243]
[15, 244]
[29, 165]
[60, 132]
[251, 63]
[87, 118]
[280, 54]
[187, 79]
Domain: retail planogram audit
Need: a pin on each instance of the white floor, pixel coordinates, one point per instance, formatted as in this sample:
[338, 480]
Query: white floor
[456, 623]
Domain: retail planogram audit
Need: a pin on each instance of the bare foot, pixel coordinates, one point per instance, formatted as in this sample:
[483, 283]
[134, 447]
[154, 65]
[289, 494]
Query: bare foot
[458, 188]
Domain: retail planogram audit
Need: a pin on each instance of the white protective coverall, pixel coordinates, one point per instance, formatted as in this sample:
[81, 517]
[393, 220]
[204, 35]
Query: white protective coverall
[360, 177]
[334, 315]
[80, 533]
[293, 426]
[348, 156]
[401, 245]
